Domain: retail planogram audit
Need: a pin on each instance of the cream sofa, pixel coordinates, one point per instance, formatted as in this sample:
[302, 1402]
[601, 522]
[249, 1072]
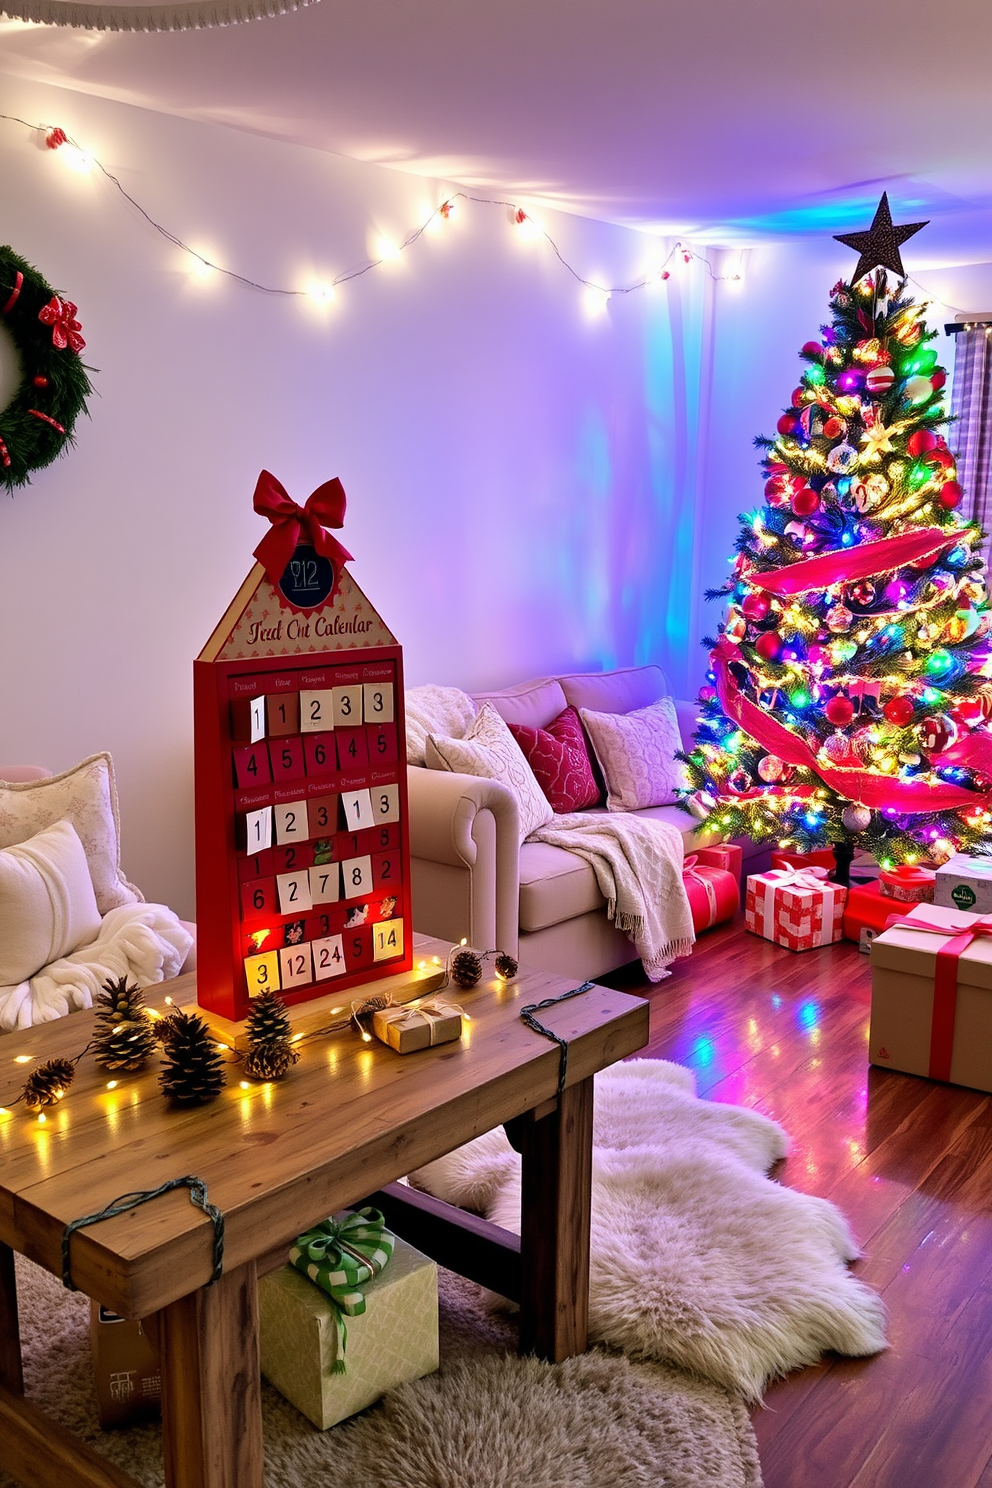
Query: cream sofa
[472, 880]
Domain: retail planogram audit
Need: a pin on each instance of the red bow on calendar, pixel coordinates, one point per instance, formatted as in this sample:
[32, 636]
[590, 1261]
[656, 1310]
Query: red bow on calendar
[292, 524]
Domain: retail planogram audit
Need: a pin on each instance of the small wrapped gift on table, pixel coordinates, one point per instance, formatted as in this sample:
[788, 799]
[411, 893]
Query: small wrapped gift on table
[965, 883]
[931, 996]
[327, 1368]
[795, 907]
[418, 1025]
[714, 895]
[909, 884]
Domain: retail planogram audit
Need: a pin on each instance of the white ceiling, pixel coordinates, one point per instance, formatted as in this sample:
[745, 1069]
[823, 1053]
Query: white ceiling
[725, 120]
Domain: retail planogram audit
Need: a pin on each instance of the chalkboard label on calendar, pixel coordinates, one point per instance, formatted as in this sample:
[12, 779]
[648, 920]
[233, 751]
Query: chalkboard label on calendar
[308, 579]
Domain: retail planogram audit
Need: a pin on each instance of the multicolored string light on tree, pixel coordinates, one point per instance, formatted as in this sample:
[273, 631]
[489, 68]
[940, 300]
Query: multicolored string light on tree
[850, 685]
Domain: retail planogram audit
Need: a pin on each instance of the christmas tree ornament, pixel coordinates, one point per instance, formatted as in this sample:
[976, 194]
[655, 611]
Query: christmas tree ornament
[938, 379]
[755, 605]
[805, 501]
[839, 711]
[818, 657]
[799, 534]
[897, 592]
[835, 428]
[788, 423]
[937, 733]
[769, 645]
[735, 626]
[465, 968]
[917, 390]
[841, 458]
[798, 396]
[836, 748]
[770, 768]
[950, 495]
[124, 1035]
[839, 618]
[879, 246]
[812, 351]
[862, 594]
[505, 967]
[855, 818]
[878, 380]
[861, 494]
[48, 1083]
[899, 711]
[970, 712]
[921, 442]
[739, 782]
[193, 1071]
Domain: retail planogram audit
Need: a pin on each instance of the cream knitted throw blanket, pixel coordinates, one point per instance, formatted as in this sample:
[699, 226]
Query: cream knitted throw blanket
[638, 866]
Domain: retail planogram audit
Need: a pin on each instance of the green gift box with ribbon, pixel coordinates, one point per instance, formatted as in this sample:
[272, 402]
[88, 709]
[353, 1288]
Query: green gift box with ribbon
[333, 1352]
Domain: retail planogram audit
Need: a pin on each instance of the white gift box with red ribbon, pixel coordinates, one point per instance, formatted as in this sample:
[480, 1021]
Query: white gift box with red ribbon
[799, 908]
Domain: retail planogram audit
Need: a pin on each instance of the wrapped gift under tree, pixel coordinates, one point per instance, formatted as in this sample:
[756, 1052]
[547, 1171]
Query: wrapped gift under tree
[714, 893]
[795, 907]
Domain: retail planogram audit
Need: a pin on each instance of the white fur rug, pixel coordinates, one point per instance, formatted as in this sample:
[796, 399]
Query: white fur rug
[698, 1258]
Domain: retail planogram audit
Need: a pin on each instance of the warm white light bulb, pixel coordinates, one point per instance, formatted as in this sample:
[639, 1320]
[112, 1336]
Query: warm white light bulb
[595, 299]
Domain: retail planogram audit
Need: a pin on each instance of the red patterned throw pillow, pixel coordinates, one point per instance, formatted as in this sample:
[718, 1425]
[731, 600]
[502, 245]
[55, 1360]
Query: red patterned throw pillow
[559, 757]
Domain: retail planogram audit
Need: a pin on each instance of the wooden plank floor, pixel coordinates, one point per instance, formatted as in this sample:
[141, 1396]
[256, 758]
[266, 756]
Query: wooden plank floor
[910, 1164]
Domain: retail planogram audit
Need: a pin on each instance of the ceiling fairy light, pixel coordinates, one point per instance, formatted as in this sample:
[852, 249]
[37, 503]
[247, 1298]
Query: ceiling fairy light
[147, 15]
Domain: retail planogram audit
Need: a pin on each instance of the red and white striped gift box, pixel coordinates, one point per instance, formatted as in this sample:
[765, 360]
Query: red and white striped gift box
[795, 907]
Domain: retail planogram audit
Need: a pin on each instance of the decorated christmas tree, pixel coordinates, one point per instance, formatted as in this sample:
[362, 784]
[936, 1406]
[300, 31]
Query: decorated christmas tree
[850, 685]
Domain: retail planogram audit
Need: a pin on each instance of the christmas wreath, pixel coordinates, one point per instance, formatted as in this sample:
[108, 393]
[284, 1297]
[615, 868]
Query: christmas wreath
[36, 425]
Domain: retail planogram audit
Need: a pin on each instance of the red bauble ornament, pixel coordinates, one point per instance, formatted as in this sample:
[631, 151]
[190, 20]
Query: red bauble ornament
[899, 711]
[814, 350]
[835, 427]
[770, 768]
[797, 397]
[967, 714]
[942, 457]
[805, 501]
[921, 443]
[707, 693]
[879, 379]
[836, 748]
[786, 424]
[839, 711]
[937, 734]
[768, 645]
[937, 379]
[950, 495]
[755, 606]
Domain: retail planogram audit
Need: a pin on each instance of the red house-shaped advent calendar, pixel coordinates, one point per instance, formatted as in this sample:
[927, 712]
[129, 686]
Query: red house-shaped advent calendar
[302, 842]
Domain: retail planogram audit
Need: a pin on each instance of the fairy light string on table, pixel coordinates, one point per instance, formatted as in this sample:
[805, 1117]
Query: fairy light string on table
[57, 139]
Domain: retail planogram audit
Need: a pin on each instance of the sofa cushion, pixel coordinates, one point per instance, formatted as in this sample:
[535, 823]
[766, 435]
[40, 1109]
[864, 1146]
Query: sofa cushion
[47, 905]
[555, 885]
[615, 692]
[636, 753]
[489, 750]
[559, 757]
[530, 704]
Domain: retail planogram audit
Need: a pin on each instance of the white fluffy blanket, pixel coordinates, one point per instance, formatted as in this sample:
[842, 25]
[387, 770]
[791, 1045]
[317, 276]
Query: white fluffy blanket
[638, 866]
[435, 710]
[144, 942]
[697, 1257]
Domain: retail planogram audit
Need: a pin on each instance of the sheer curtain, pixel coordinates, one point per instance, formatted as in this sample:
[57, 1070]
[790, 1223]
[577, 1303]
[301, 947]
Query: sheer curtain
[971, 436]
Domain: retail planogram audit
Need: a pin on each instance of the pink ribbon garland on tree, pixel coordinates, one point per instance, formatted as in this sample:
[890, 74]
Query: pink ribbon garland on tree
[878, 792]
[845, 565]
[292, 524]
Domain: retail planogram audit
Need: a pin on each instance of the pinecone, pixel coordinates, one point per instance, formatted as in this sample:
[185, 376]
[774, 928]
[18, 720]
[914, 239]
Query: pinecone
[270, 1061]
[124, 1036]
[48, 1083]
[193, 1071]
[267, 1019]
[466, 968]
[506, 967]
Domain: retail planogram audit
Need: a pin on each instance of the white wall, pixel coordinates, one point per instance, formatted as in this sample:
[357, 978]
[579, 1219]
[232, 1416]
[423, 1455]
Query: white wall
[522, 479]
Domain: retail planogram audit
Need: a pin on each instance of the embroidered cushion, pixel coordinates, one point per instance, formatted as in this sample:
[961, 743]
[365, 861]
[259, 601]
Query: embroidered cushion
[84, 796]
[559, 758]
[47, 905]
[636, 753]
[490, 751]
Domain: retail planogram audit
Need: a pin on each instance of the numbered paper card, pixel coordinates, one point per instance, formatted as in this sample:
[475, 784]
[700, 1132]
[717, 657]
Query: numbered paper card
[356, 875]
[348, 706]
[295, 966]
[387, 940]
[386, 804]
[294, 892]
[378, 702]
[357, 809]
[257, 719]
[328, 957]
[316, 711]
[282, 714]
[325, 884]
[258, 830]
[262, 973]
[291, 822]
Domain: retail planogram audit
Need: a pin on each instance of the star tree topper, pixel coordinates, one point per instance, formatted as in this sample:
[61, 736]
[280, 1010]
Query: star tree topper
[879, 246]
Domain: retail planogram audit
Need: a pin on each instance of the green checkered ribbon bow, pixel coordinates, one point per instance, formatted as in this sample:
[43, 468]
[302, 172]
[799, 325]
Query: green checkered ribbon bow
[342, 1255]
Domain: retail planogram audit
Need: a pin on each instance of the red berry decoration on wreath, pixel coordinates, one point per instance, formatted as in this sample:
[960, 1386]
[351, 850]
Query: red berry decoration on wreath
[36, 426]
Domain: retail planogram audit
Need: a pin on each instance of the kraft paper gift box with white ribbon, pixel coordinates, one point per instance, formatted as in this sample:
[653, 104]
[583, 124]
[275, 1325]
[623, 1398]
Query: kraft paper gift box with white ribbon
[965, 883]
[419, 1025]
[797, 908]
[931, 997]
[394, 1340]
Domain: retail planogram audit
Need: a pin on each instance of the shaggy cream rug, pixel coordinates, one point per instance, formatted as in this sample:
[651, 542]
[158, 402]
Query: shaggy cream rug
[486, 1420]
[698, 1258]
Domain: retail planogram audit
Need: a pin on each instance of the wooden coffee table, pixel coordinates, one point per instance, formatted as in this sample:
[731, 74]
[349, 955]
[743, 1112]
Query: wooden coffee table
[349, 1120]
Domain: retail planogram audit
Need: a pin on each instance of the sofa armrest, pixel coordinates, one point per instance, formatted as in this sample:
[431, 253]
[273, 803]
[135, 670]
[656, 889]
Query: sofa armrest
[465, 851]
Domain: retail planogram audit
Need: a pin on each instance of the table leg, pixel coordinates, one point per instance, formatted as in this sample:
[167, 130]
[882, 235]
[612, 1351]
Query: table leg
[211, 1388]
[10, 1339]
[556, 1159]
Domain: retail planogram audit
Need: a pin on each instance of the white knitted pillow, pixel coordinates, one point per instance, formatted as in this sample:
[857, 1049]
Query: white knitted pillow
[636, 753]
[490, 751]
